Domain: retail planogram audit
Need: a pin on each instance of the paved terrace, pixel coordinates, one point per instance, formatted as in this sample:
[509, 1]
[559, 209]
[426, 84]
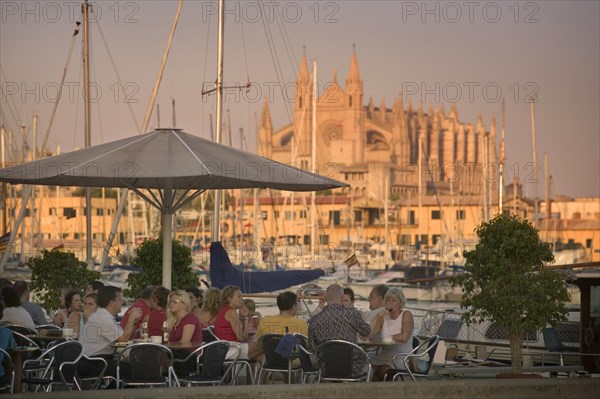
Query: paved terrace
[541, 388]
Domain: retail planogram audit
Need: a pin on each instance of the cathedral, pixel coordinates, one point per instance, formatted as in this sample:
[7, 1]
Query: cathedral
[376, 149]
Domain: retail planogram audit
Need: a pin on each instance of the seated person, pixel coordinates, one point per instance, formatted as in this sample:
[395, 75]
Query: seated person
[102, 330]
[251, 316]
[396, 323]
[228, 325]
[183, 327]
[158, 314]
[14, 313]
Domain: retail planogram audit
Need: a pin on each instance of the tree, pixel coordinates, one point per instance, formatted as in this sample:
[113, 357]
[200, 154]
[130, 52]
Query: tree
[506, 282]
[58, 269]
[148, 257]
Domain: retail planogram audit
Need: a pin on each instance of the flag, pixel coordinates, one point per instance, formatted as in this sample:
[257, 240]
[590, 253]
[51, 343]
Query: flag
[60, 246]
[352, 260]
[4, 242]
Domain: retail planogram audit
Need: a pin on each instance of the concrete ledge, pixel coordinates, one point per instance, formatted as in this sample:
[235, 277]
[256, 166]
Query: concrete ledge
[542, 388]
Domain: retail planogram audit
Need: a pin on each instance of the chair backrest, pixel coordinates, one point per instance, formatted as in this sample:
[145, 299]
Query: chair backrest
[432, 345]
[415, 341]
[146, 360]
[213, 357]
[272, 359]
[337, 358]
[64, 357]
[551, 340]
[303, 353]
[9, 370]
[208, 335]
[22, 340]
[21, 329]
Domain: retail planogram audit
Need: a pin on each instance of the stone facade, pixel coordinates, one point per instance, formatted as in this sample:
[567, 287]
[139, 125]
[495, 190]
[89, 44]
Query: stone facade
[364, 145]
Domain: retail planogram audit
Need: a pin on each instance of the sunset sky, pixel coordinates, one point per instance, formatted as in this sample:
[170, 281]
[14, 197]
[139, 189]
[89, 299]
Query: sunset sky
[468, 53]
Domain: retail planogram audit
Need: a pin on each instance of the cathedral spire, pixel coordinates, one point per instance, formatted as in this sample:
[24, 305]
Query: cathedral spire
[265, 121]
[353, 73]
[303, 74]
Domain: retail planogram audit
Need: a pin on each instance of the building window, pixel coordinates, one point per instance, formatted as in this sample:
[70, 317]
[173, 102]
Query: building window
[77, 236]
[411, 218]
[288, 215]
[306, 239]
[436, 215]
[276, 214]
[324, 239]
[69, 213]
[99, 212]
[435, 238]
[264, 215]
[302, 214]
[460, 214]
[52, 211]
[334, 218]
[357, 216]
[588, 243]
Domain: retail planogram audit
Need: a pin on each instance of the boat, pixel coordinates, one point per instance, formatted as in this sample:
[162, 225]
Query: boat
[222, 273]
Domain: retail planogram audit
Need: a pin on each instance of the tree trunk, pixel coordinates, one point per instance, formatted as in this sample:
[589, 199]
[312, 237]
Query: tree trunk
[516, 352]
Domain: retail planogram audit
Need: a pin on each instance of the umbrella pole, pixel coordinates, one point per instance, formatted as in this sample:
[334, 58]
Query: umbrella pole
[167, 231]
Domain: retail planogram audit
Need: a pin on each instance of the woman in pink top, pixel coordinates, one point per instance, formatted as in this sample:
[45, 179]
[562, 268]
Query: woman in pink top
[229, 326]
[183, 325]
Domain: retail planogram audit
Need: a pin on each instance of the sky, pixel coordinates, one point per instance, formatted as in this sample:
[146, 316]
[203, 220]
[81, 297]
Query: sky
[472, 53]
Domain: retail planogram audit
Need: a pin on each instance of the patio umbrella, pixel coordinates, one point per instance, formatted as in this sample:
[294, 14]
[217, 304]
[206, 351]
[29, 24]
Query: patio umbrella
[166, 160]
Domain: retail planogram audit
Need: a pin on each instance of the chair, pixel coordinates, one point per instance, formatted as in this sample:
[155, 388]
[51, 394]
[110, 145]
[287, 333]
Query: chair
[9, 369]
[57, 365]
[208, 335]
[553, 343]
[95, 380]
[305, 361]
[233, 360]
[273, 362]
[337, 358]
[23, 340]
[146, 363]
[24, 330]
[210, 359]
[424, 353]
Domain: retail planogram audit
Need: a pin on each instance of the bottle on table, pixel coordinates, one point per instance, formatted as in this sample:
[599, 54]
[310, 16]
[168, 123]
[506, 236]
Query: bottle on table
[144, 333]
[165, 332]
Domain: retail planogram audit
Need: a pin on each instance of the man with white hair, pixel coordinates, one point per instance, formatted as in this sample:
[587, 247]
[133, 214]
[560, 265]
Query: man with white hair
[337, 321]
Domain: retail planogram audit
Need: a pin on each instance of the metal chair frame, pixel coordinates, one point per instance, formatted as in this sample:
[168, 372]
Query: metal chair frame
[200, 377]
[417, 353]
[45, 366]
[168, 381]
[272, 361]
[351, 378]
[307, 369]
[11, 371]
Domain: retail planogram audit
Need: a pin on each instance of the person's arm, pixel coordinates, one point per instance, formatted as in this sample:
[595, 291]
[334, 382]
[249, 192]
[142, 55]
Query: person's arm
[134, 316]
[188, 333]
[376, 324]
[238, 326]
[407, 328]
[59, 318]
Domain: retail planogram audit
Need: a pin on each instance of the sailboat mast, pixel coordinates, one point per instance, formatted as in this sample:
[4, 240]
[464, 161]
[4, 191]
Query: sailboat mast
[313, 213]
[85, 8]
[501, 166]
[219, 121]
[534, 157]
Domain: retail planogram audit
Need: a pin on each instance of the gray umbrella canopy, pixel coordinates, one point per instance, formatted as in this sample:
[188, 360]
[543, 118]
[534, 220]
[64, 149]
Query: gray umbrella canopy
[167, 160]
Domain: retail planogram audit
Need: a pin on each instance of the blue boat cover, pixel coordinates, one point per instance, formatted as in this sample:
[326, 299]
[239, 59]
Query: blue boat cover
[223, 273]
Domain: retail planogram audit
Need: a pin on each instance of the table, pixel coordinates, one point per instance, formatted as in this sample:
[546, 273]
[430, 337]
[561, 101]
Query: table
[17, 356]
[367, 343]
[482, 369]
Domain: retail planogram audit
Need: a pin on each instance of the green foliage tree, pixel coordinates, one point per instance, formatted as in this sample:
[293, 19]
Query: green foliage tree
[58, 269]
[506, 281]
[148, 257]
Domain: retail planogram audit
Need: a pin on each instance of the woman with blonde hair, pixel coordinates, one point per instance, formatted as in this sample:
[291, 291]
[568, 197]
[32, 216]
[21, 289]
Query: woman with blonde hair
[211, 303]
[183, 325]
[396, 324]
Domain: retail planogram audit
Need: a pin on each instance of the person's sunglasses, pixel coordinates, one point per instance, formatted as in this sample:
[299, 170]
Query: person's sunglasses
[175, 301]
